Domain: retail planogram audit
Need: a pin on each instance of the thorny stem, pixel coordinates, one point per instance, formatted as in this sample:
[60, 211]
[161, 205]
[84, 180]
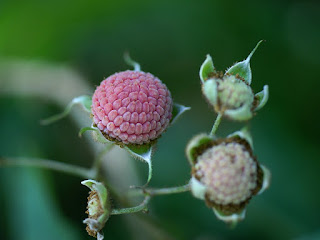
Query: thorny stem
[47, 164]
[216, 124]
[141, 207]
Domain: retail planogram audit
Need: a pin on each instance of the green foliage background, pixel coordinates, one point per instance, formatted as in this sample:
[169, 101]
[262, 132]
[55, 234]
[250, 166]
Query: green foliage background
[170, 39]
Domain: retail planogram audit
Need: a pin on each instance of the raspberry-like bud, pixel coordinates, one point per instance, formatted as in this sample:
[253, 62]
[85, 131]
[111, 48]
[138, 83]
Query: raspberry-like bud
[225, 173]
[132, 107]
[228, 171]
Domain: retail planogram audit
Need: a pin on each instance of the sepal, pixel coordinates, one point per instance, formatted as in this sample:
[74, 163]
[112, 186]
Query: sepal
[198, 189]
[262, 97]
[240, 114]
[244, 134]
[195, 143]
[242, 69]
[210, 90]
[144, 153]
[231, 219]
[266, 179]
[206, 69]
[96, 134]
[84, 101]
[177, 111]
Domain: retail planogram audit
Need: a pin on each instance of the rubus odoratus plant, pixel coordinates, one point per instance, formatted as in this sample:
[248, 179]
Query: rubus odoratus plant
[132, 109]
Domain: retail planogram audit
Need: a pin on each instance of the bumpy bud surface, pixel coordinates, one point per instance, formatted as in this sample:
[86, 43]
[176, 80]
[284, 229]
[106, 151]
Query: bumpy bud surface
[229, 173]
[132, 107]
[233, 93]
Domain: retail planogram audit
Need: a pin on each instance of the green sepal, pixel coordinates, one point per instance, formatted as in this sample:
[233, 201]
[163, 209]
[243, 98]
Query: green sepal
[101, 190]
[244, 134]
[195, 143]
[262, 97]
[84, 101]
[232, 219]
[243, 68]
[198, 189]
[177, 111]
[131, 62]
[266, 178]
[96, 134]
[242, 113]
[210, 90]
[206, 69]
[143, 152]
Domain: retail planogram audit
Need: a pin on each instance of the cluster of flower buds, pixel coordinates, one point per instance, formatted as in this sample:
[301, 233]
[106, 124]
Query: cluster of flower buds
[225, 172]
[230, 93]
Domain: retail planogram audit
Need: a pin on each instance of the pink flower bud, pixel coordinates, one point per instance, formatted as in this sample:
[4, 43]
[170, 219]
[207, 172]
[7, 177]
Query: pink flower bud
[132, 107]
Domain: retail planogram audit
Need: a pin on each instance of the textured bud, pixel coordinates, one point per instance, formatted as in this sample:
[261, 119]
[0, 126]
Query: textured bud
[229, 173]
[132, 107]
[225, 173]
[230, 93]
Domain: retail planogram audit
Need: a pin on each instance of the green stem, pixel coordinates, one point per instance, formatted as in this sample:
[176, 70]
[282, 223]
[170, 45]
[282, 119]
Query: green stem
[159, 191]
[216, 124]
[47, 164]
[141, 207]
[149, 193]
[166, 191]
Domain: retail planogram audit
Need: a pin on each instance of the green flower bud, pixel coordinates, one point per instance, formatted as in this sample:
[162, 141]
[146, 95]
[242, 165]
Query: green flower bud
[226, 174]
[98, 208]
[230, 93]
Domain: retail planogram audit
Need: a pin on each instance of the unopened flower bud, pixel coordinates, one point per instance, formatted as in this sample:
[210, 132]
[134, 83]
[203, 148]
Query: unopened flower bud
[226, 174]
[230, 93]
[132, 107]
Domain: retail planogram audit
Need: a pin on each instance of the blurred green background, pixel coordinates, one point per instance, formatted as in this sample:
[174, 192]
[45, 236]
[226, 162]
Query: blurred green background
[170, 39]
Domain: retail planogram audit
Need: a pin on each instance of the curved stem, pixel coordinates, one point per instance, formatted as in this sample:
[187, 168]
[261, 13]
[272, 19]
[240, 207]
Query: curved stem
[141, 207]
[47, 164]
[216, 124]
